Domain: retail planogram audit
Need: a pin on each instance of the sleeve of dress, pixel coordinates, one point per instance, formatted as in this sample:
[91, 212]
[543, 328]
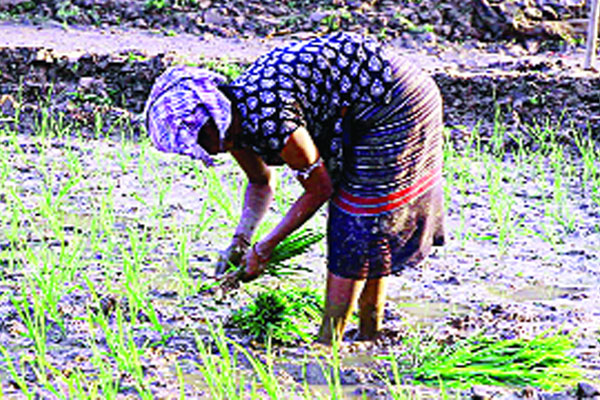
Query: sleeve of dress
[275, 124]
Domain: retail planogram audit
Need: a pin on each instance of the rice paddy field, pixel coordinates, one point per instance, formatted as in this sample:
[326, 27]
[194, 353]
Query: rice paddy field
[107, 250]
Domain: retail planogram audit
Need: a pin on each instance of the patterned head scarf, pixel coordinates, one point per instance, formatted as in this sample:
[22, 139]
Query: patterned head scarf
[181, 101]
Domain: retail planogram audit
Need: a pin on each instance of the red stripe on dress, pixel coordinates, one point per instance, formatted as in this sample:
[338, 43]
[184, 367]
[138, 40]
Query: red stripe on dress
[376, 205]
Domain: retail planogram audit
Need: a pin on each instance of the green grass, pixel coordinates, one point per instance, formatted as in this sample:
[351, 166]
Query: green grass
[538, 162]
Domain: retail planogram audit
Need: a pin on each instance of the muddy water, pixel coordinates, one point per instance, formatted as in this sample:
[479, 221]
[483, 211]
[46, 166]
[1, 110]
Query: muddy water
[131, 202]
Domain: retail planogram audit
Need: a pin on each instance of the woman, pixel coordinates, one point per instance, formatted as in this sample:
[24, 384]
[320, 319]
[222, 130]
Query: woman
[360, 127]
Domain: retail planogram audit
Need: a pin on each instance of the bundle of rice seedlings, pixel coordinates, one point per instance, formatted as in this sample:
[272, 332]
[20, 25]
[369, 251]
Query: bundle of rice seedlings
[283, 315]
[544, 362]
[278, 265]
[292, 246]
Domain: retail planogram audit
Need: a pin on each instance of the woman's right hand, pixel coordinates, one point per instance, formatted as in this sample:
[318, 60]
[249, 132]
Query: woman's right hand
[254, 265]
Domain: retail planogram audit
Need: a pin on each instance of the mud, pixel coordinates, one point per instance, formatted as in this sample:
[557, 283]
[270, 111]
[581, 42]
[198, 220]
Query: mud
[472, 284]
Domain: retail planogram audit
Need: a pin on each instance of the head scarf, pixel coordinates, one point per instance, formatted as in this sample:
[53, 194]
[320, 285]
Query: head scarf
[181, 101]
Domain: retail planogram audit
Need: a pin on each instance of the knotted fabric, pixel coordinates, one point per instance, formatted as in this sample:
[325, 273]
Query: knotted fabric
[181, 101]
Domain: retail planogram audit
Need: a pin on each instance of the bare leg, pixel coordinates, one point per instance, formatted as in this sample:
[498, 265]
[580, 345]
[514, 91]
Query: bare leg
[339, 304]
[371, 306]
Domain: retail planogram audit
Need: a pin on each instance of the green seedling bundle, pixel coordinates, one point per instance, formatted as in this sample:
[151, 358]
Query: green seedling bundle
[283, 315]
[279, 264]
[543, 362]
[294, 245]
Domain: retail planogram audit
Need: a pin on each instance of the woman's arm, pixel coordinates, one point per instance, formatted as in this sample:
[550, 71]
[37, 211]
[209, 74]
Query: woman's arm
[257, 198]
[259, 192]
[299, 153]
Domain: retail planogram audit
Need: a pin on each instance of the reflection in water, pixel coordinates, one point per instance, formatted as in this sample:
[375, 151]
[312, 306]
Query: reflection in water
[533, 292]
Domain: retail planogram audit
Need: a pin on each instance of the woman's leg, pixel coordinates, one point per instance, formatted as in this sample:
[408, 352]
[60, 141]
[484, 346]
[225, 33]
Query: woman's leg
[371, 306]
[339, 304]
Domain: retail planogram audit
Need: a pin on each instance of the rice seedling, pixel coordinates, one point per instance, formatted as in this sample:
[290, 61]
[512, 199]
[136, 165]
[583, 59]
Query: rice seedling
[121, 349]
[332, 370]
[106, 380]
[73, 163]
[224, 378]
[5, 167]
[458, 171]
[163, 185]
[33, 317]
[59, 128]
[394, 384]
[52, 201]
[125, 157]
[543, 362]
[186, 282]
[543, 135]
[501, 206]
[590, 154]
[54, 278]
[82, 386]
[519, 155]
[496, 144]
[220, 371]
[15, 232]
[205, 220]
[19, 154]
[98, 125]
[133, 257]
[143, 160]
[283, 315]
[266, 377]
[42, 124]
[106, 213]
[561, 210]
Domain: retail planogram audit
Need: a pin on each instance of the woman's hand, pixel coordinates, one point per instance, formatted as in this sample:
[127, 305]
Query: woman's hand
[255, 263]
[253, 266]
[301, 154]
[232, 256]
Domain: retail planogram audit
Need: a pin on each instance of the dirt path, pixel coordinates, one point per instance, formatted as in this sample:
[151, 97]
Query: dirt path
[75, 41]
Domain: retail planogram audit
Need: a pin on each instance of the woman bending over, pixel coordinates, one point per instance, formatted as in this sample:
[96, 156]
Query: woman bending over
[362, 129]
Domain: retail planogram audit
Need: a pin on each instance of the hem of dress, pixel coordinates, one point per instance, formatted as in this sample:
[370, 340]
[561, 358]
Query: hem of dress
[375, 206]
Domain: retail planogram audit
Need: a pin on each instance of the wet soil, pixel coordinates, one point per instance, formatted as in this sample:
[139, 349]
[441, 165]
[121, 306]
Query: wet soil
[519, 286]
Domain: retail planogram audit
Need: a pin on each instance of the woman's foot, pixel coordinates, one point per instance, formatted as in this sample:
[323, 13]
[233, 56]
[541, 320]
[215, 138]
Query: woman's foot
[339, 304]
[371, 306]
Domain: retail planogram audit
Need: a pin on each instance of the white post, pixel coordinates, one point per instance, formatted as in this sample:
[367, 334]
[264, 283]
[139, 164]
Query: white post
[592, 36]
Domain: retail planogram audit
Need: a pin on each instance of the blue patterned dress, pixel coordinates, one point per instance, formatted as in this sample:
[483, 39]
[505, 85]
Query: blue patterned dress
[377, 122]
